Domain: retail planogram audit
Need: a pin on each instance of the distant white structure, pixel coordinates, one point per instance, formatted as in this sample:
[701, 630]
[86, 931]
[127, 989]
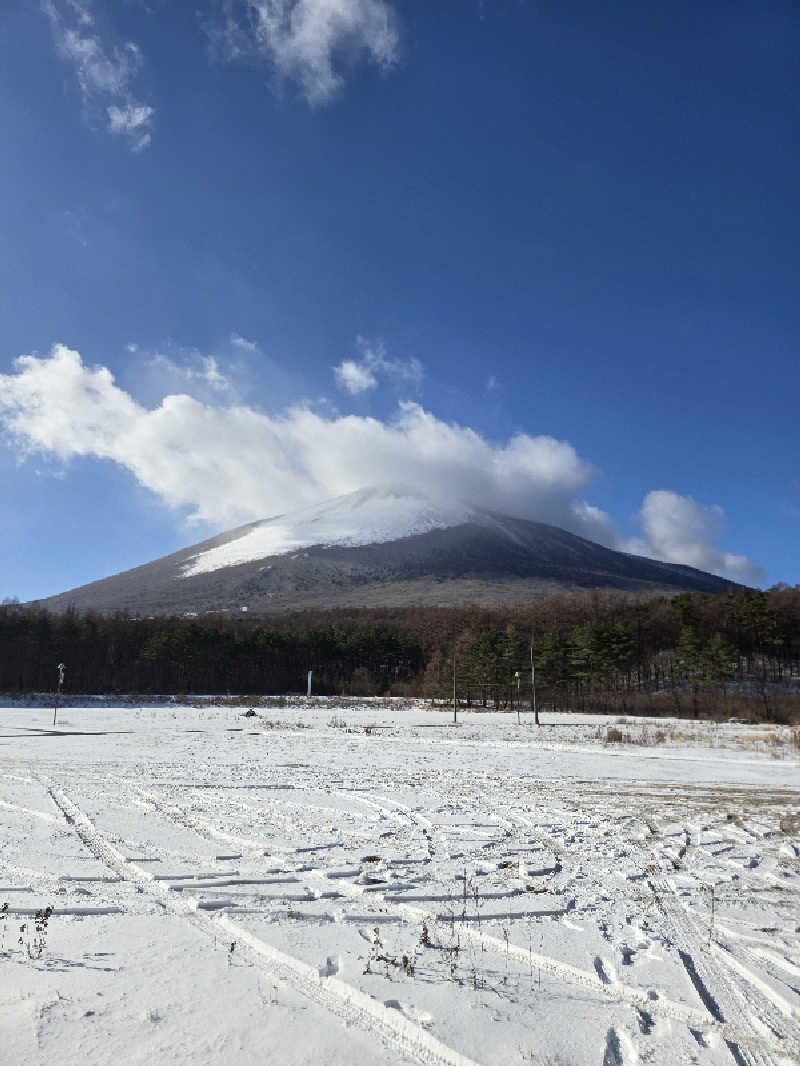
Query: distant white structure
[308, 693]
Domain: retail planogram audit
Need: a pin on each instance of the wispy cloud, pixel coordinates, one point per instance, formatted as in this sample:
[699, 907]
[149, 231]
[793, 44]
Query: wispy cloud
[307, 41]
[360, 375]
[132, 120]
[238, 341]
[201, 374]
[172, 369]
[105, 71]
[226, 462]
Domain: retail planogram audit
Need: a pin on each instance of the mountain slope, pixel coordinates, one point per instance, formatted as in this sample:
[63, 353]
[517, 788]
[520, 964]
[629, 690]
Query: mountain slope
[379, 547]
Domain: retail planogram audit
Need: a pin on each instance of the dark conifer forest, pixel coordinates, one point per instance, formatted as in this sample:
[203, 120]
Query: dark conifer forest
[689, 655]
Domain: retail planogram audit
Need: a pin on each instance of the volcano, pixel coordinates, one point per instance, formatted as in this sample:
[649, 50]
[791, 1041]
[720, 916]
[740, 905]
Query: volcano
[379, 547]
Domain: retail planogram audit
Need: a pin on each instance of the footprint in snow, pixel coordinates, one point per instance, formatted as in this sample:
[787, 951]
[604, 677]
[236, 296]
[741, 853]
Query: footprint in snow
[604, 970]
[421, 1017]
[331, 967]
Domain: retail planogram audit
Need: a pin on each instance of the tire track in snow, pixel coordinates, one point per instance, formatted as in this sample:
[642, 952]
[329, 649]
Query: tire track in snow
[574, 975]
[737, 988]
[565, 972]
[340, 999]
[404, 816]
[17, 808]
[770, 1005]
[194, 824]
[742, 1039]
[757, 990]
[754, 1044]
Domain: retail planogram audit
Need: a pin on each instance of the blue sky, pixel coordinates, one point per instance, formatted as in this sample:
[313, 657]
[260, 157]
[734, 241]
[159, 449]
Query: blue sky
[261, 252]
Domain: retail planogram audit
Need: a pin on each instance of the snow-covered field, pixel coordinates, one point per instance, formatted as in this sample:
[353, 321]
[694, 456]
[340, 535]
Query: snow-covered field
[366, 885]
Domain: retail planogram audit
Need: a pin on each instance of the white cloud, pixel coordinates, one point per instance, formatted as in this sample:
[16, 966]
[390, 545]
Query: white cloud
[677, 529]
[355, 377]
[105, 72]
[132, 120]
[238, 341]
[226, 462]
[358, 376]
[229, 463]
[307, 40]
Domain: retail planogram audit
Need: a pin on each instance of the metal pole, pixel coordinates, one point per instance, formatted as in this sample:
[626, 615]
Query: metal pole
[533, 688]
[455, 719]
[58, 690]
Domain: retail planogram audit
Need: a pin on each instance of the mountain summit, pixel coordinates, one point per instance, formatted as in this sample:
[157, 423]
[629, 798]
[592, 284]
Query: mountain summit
[379, 547]
[368, 516]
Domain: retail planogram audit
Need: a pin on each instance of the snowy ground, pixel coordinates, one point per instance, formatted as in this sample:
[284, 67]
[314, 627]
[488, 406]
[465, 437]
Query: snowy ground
[366, 885]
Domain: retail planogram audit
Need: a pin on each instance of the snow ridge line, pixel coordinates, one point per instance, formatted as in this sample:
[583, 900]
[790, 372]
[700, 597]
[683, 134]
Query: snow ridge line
[341, 999]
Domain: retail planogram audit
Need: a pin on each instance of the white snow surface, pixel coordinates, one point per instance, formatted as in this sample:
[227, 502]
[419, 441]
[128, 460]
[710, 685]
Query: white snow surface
[360, 883]
[369, 516]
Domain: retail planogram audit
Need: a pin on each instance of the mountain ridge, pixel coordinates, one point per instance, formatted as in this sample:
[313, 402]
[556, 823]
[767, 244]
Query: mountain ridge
[332, 555]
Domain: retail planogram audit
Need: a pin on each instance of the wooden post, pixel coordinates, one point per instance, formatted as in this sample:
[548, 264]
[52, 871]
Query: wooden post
[455, 719]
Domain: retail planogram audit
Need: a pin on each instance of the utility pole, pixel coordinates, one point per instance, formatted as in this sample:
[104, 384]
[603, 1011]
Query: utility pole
[58, 690]
[519, 698]
[455, 719]
[533, 687]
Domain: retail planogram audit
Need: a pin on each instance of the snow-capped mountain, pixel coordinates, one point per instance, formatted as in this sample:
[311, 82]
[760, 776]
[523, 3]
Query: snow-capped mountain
[368, 516]
[379, 547]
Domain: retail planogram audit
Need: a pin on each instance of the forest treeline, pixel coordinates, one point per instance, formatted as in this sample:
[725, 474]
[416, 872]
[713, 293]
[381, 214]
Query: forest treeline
[691, 654]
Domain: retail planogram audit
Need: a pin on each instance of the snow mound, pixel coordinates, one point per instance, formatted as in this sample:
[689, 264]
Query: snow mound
[368, 516]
